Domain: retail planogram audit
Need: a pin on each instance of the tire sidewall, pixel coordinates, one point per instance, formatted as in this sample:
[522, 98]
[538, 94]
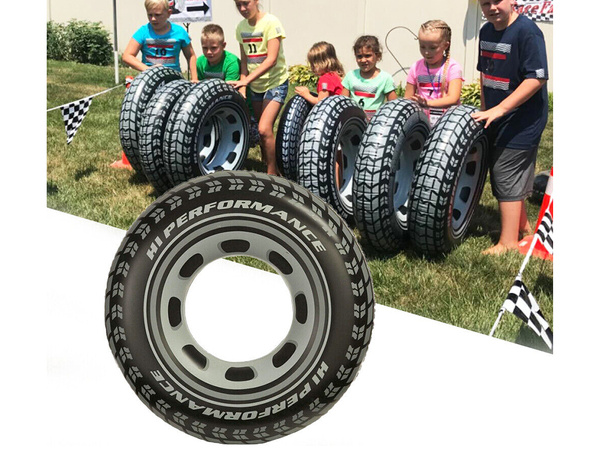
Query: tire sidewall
[131, 278]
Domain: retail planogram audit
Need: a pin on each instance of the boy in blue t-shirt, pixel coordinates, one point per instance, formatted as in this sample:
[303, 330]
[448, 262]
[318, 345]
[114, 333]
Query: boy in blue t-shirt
[160, 42]
[514, 107]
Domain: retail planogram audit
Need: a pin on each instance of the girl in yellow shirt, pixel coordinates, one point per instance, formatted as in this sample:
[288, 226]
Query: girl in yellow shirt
[263, 70]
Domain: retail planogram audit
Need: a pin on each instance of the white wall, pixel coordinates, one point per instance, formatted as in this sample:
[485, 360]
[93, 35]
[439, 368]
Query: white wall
[309, 21]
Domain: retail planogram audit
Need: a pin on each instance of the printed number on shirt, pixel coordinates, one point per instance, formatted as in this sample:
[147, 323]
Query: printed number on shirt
[252, 48]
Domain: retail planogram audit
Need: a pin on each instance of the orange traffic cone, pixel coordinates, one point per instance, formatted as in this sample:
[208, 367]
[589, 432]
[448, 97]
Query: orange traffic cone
[539, 250]
[123, 163]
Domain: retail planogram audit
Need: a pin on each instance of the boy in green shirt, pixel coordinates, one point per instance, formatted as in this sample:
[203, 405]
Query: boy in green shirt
[216, 62]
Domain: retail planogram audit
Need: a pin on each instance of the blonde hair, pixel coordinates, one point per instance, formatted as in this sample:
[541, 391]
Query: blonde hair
[446, 33]
[323, 59]
[150, 3]
[213, 30]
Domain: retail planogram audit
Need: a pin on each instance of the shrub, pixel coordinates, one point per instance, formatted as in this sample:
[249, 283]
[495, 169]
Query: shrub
[550, 102]
[400, 90]
[80, 41]
[56, 46]
[301, 74]
[471, 94]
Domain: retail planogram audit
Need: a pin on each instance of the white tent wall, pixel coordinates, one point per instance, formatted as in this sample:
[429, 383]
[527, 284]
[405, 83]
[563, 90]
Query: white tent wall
[310, 21]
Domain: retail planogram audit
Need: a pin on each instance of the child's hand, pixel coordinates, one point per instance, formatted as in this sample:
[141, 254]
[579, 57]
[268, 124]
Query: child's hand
[422, 101]
[489, 115]
[302, 91]
[238, 84]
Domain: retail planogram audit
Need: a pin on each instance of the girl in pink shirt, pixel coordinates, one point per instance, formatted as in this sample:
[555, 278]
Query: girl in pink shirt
[434, 82]
[324, 63]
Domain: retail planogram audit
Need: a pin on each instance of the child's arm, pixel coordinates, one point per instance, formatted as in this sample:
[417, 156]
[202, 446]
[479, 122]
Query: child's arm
[450, 99]
[130, 56]
[345, 92]
[409, 91]
[270, 61]
[243, 72]
[391, 96]
[190, 55]
[305, 93]
[521, 94]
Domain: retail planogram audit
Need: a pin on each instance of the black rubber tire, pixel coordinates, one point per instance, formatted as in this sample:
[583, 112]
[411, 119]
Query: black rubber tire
[448, 182]
[309, 245]
[540, 182]
[384, 172]
[334, 123]
[289, 130]
[208, 132]
[136, 99]
[152, 130]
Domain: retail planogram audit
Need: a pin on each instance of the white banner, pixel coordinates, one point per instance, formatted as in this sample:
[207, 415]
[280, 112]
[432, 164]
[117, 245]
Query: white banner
[537, 10]
[185, 11]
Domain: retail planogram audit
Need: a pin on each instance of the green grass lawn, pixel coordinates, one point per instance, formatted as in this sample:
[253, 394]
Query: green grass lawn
[464, 289]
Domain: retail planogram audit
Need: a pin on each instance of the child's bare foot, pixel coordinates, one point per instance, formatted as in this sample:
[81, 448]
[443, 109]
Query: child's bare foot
[498, 249]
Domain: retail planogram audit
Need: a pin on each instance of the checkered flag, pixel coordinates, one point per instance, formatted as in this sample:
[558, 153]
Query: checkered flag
[521, 303]
[544, 231]
[73, 114]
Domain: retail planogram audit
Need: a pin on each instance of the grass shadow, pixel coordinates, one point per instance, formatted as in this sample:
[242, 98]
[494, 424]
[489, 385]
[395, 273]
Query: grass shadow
[82, 173]
[137, 179]
[528, 338]
[51, 188]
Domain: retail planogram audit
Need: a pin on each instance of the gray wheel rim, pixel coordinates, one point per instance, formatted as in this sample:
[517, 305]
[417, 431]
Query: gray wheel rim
[349, 144]
[220, 140]
[403, 176]
[185, 359]
[466, 186]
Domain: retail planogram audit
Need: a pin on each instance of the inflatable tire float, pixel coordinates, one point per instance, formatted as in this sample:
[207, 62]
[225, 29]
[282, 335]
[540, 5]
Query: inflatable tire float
[448, 182]
[292, 118]
[152, 130]
[307, 244]
[208, 131]
[331, 134]
[384, 172]
[136, 99]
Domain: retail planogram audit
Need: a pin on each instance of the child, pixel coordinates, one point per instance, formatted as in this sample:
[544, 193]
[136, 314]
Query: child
[264, 69]
[216, 62]
[514, 106]
[434, 82]
[160, 41]
[367, 85]
[324, 63]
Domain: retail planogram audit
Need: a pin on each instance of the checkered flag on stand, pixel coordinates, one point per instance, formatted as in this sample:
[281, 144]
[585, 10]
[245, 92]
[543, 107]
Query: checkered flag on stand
[544, 231]
[521, 303]
[73, 114]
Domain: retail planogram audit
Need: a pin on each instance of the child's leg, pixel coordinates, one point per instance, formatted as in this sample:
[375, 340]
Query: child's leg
[511, 174]
[510, 219]
[266, 122]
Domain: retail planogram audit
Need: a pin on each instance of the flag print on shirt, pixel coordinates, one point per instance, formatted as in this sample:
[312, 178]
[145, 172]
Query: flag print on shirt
[160, 50]
[494, 51]
[254, 42]
[364, 91]
[427, 83]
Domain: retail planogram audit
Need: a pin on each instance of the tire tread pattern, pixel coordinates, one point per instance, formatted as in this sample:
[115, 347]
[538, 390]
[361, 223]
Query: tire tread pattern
[136, 99]
[120, 288]
[436, 178]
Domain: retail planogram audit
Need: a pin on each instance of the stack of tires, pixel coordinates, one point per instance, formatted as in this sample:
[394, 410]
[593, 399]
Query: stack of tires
[172, 130]
[396, 178]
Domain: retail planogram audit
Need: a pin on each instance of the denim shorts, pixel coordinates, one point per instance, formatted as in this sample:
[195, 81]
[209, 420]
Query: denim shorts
[277, 94]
